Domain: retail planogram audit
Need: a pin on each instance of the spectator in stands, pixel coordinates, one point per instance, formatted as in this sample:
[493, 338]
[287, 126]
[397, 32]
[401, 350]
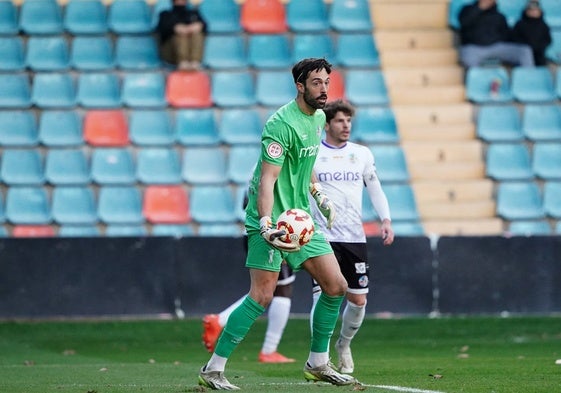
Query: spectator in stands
[532, 30]
[485, 35]
[182, 32]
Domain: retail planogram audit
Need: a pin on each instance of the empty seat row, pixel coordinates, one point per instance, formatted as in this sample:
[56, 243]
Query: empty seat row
[524, 200]
[513, 161]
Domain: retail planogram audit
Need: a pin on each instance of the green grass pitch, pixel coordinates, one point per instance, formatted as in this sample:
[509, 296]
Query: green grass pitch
[416, 355]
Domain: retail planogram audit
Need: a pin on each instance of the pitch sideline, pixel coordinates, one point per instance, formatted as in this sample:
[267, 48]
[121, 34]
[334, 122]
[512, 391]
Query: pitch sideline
[404, 389]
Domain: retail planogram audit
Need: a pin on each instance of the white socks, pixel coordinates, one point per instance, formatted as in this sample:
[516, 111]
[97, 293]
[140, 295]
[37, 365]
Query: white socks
[353, 315]
[279, 311]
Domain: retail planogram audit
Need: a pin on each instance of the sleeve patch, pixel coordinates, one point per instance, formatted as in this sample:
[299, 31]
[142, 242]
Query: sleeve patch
[274, 150]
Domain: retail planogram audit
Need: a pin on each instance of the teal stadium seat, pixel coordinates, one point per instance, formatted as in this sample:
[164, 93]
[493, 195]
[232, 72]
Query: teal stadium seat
[408, 228]
[402, 202]
[212, 204]
[47, 53]
[313, 45]
[553, 51]
[533, 84]
[519, 201]
[18, 128]
[15, 91]
[220, 230]
[530, 228]
[552, 199]
[357, 50]
[60, 128]
[129, 17]
[509, 161]
[9, 18]
[79, 231]
[221, 16]
[542, 122]
[241, 162]
[40, 17]
[499, 123]
[390, 163]
[454, 9]
[511, 9]
[274, 88]
[67, 167]
[85, 17]
[151, 127]
[12, 53]
[93, 53]
[307, 16]
[366, 87]
[546, 160]
[28, 205]
[144, 89]
[113, 166]
[233, 88]
[99, 90]
[204, 165]
[136, 52]
[225, 52]
[173, 230]
[552, 13]
[22, 167]
[375, 125]
[350, 16]
[240, 193]
[266, 51]
[485, 85]
[158, 166]
[53, 90]
[196, 127]
[120, 205]
[74, 205]
[125, 230]
[2, 209]
[240, 126]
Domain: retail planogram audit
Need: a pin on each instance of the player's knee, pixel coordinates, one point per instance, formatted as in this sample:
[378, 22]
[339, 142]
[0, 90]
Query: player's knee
[337, 288]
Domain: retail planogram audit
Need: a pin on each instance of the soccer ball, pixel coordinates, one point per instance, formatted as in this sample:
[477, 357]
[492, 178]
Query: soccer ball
[297, 224]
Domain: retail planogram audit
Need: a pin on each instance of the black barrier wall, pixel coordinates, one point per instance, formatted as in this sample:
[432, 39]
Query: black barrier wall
[154, 275]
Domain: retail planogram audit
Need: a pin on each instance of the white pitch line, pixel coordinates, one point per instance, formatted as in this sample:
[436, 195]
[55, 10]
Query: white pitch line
[403, 389]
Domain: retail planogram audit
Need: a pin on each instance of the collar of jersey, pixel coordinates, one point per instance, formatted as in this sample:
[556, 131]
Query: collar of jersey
[323, 142]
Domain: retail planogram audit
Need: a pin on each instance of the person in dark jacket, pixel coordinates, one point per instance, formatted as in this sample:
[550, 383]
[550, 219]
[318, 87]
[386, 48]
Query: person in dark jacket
[485, 34]
[182, 33]
[531, 29]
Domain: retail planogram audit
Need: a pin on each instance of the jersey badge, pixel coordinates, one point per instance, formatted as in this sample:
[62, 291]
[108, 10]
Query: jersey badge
[352, 158]
[274, 150]
[363, 281]
[319, 130]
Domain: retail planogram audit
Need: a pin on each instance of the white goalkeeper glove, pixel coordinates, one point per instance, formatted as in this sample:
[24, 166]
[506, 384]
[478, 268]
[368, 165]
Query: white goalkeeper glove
[273, 236]
[326, 207]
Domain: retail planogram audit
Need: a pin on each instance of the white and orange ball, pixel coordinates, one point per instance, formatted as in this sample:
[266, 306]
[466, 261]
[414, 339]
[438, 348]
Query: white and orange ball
[298, 225]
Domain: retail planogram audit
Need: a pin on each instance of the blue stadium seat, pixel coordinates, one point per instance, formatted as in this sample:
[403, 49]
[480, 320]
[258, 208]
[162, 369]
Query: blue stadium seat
[47, 53]
[113, 166]
[158, 166]
[85, 17]
[533, 84]
[488, 84]
[125, 230]
[196, 127]
[240, 192]
[542, 122]
[136, 52]
[313, 45]
[173, 230]
[151, 128]
[241, 162]
[22, 167]
[509, 161]
[74, 205]
[99, 90]
[120, 205]
[413, 228]
[9, 18]
[225, 52]
[350, 15]
[204, 165]
[40, 17]
[529, 228]
[366, 87]
[240, 126]
[144, 89]
[79, 231]
[357, 50]
[220, 230]
[552, 199]
[129, 17]
[15, 91]
[546, 160]
[454, 9]
[553, 51]
[212, 204]
[375, 125]
[12, 54]
[402, 202]
[233, 88]
[92, 53]
[499, 123]
[53, 90]
[60, 128]
[18, 129]
[2, 209]
[274, 88]
[307, 16]
[67, 167]
[390, 163]
[28, 205]
[267, 51]
[552, 13]
[511, 9]
[222, 16]
[519, 201]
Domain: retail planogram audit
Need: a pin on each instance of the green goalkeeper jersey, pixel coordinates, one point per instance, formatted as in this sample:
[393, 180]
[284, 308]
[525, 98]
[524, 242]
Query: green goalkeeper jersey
[290, 140]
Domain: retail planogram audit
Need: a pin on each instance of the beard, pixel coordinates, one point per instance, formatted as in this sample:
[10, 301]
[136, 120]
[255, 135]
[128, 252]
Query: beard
[313, 102]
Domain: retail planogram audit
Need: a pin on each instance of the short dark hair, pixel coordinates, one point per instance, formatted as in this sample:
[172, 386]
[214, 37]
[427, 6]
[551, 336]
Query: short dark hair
[302, 69]
[331, 109]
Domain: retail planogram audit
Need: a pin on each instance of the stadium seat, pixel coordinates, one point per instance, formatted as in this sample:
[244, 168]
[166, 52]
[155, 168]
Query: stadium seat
[546, 160]
[27, 205]
[519, 201]
[486, 85]
[552, 13]
[552, 199]
[126, 230]
[553, 51]
[78, 231]
[33, 231]
[267, 51]
[12, 53]
[511, 9]
[92, 53]
[18, 129]
[233, 88]
[313, 45]
[166, 205]
[350, 16]
[454, 9]
[106, 128]
[60, 128]
[509, 161]
[529, 228]
[172, 230]
[196, 127]
[241, 162]
[240, 192]
[22, 167]
[67, 167]
[408, 228]
[99, 90]
[204, 165]
[74, 205]
[151, 128]
[366, 87]
[402, 202]
[307, 16]
[220, 230]
[225, 52]
[129, 17]
[221, 16]
[15, 91]
[85, 17]
[533, 84]
[144, 89]
[47, 53]
[274, 88]
[53, 90]
[240, 126]
[336, 86]
[375, 125]
[212, 204]
[499, 123]
[357, 50]
[542, 122]
[113, 166]
[188, 90]
[263, 17]
[9, 18]
[2, 209]
[40, 17]
[390, 163]
[120, 205]
[136, 52]
[158, 166]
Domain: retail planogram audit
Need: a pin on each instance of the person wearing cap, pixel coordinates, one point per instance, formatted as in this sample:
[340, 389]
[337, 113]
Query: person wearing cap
[531, 29]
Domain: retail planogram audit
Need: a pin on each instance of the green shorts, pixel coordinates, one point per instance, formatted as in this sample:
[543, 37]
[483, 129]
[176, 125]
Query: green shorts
[261, 255]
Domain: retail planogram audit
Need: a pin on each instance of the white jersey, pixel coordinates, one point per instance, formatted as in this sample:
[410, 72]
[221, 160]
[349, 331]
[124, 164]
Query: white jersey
[343, 173]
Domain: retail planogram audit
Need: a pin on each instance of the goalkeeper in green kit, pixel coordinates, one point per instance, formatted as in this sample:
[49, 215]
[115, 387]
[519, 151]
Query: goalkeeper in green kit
[282, 180]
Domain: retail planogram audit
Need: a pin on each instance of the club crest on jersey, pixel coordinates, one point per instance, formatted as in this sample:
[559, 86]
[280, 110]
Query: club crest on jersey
[352, 158]
[319, 130]
[274, 150]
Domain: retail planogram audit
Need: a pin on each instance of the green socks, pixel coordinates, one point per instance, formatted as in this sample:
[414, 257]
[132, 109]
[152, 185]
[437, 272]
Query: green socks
[326, 313]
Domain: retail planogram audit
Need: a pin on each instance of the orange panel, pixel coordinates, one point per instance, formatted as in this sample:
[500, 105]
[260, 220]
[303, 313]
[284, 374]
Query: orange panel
[336, 86]
[371, 228]
[188, 89]
[166, 205]
[263, 17]
[33, 231]
[106, 128]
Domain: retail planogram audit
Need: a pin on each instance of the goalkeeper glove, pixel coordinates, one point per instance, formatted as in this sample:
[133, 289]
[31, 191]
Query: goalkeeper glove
[273, 236]
[325, 206]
